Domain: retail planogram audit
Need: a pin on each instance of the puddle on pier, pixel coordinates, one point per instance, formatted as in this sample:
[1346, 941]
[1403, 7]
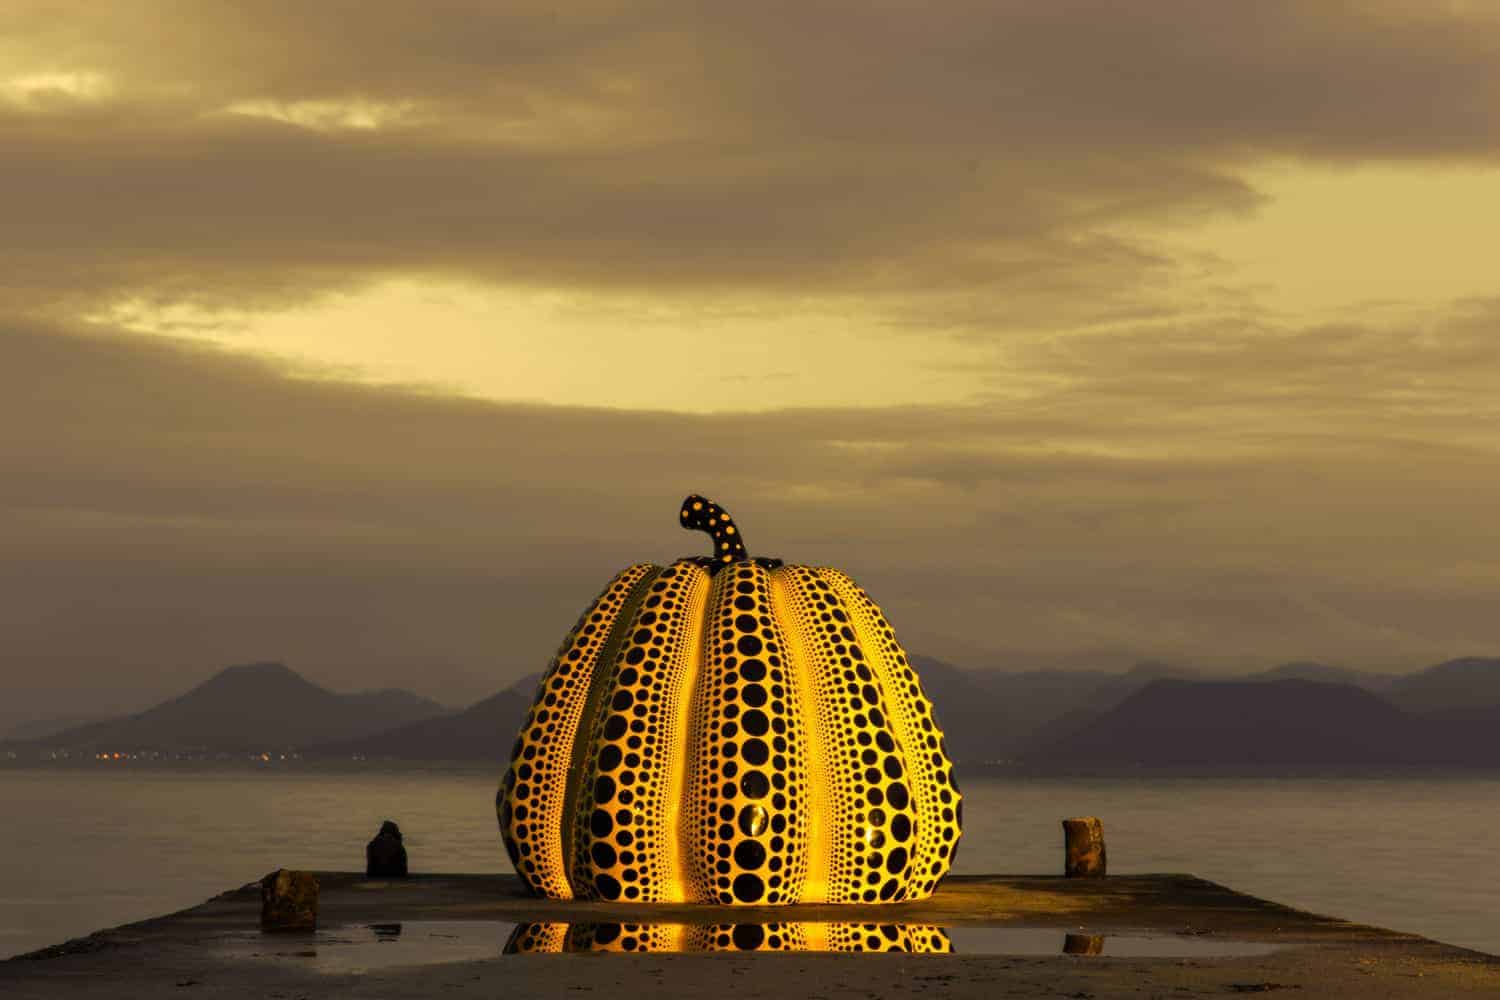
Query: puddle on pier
[865, 937]
[353, 949]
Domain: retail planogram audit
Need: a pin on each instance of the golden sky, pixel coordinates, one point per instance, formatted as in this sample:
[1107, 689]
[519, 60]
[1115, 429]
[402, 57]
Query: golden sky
[376, 336]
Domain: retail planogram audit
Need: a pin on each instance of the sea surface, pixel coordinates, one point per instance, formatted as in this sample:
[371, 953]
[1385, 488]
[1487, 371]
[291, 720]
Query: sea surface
[83, 849]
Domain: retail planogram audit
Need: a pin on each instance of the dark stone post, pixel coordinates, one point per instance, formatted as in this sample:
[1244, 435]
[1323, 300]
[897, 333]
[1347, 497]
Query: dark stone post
[385, 856]
[1083, 847]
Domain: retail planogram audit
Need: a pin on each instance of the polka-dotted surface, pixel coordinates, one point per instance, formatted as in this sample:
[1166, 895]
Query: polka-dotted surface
[748, 777]
[625, 844]
[752, 737]
[870, 817]
[935, 793]
[539, 938]
[701, 514]
[605, 937]
[530, 803]
[785, 936]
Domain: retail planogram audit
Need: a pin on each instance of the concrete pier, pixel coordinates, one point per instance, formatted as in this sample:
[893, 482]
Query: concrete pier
[455, 936]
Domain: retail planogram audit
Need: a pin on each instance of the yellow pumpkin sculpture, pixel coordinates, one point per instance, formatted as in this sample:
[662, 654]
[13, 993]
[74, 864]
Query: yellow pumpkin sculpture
[730, 730]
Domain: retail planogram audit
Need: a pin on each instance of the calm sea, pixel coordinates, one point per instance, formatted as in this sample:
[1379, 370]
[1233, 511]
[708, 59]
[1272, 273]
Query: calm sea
[86, 849]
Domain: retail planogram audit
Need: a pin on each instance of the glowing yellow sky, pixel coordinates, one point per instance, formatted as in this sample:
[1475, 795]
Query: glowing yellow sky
[1331, 240]
[594, 350]
[1322, 245]
[1162, 327]
[572, 216]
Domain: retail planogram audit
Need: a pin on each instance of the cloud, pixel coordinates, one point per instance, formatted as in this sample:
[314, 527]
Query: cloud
[168, 509]
[251, 153]
[1155, 459]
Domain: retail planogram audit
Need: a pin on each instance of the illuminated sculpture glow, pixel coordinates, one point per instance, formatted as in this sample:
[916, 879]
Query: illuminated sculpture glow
[730, 730]
[539, 938]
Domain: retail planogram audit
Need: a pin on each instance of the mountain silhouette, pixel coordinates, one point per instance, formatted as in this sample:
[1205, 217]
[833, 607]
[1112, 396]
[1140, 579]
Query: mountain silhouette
[1452, 685]
[35, 729]
[1153, 715]
[991, 715]
[483, 731]
[256, 706]
[1309, 670]
[1272, 724]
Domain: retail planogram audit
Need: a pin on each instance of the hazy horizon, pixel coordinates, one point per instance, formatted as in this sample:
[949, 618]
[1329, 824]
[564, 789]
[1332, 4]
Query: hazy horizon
[375, 340]
[1109, 662]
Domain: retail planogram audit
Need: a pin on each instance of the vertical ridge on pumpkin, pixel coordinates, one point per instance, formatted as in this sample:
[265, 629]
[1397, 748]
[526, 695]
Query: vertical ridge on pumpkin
[625, 846]
[813, 721]
[584, 746]
[866, 776]
[934, 794]
[748, 828]
[698, 814]
[677, 722]
[532, 802]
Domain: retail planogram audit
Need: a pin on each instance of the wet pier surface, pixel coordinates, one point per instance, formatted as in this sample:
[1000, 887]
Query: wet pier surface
[982, 936]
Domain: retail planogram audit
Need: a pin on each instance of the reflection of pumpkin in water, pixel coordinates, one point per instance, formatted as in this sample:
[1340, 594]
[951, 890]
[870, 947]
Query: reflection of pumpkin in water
[730, 730]
[785, 936]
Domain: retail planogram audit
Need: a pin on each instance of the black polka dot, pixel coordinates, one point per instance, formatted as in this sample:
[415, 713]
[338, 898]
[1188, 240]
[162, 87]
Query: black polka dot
[750, 854]
[755, 785]
[755, 722]
[748, 937]
[747, 888]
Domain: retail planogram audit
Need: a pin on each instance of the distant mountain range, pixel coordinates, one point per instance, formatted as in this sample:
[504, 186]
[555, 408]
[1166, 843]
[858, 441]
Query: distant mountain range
[35, 729]
[1297, 715]
[1177, 723]
[257, 706]
[483, 731]
[1455, 685]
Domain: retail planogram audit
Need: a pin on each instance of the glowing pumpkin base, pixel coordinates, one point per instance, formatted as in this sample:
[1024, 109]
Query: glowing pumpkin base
[730, 730]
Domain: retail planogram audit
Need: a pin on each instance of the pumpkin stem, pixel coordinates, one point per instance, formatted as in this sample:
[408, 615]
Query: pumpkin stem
[702, 514]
